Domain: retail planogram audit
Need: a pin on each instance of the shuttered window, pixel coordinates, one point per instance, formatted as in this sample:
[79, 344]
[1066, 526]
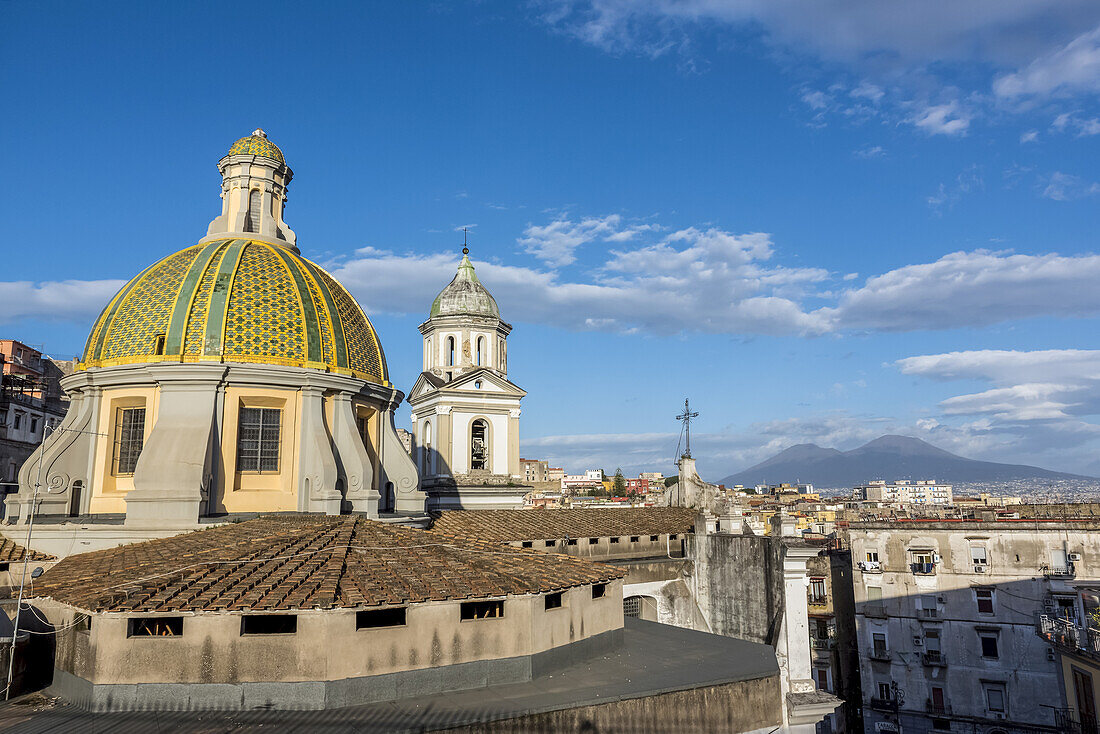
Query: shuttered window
[258, 439]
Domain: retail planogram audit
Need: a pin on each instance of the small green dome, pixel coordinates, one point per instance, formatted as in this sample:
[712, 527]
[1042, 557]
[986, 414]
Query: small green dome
[257, 144]
[465, 295]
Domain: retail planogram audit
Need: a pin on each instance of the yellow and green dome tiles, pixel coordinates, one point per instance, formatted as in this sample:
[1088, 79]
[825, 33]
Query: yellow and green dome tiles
[237, 300]
[256, 145]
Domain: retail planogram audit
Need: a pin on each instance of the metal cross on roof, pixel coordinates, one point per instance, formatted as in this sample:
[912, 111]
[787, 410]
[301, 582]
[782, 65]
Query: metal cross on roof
[465, 249]
[686, 417]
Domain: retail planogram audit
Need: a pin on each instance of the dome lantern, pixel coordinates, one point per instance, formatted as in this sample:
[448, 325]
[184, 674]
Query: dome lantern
[255, 178]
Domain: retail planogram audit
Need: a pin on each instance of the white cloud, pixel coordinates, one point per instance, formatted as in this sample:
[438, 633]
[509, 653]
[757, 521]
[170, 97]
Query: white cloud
[973, 289]
[875, 151]
[942, 119]
[1039, 403]
[1070, 121]
[946, 196]
[556, 243]
[1064, 187]
[65, 300]
[1030, 136]
[1073, 68]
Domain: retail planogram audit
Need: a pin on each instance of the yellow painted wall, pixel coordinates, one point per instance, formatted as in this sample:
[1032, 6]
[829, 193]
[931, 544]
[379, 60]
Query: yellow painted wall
[260, 491]
[109, 491]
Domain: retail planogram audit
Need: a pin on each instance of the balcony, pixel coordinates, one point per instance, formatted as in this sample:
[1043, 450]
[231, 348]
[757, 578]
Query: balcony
[1065, 633]
[937, 709]
[880, 654]
[876, 610]
[1071, 722]
[923, 569]
[822, 643]
[883, 704]
[817, 600]
[1059, 572]
[933, 659]
[870, 567]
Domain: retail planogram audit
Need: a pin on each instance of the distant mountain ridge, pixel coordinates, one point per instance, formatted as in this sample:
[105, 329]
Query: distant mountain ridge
[887, 457]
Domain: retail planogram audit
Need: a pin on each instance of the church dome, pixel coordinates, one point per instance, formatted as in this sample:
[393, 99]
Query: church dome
[465, 295]
[257, 144]
[237, 300]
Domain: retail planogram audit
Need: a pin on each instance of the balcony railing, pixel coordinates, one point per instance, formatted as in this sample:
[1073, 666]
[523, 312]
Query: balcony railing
[884, 704]
[872, 609]
[870, 567]
[817, 600]
[1059, 572]
[923, 568]
[933, 659]
[1066, 634]
[880, 654]
[822, 643]
[937, 709]
[1072, 722]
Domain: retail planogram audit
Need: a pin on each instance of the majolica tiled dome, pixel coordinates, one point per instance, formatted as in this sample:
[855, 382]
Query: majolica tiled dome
[237, 300]
[465, 295]
[257, 144]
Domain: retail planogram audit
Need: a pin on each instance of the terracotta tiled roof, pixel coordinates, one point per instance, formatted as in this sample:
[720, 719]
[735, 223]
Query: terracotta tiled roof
[507, 525]
[303, 562]
[10, 552]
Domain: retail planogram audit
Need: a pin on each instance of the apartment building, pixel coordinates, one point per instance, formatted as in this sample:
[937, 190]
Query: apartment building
[534, 470]
[905, 492]
[32, 403]
[946, 614]
[1075, 638]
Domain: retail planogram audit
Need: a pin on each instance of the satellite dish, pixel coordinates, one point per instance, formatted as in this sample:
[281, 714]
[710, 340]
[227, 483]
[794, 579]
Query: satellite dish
[36, 572]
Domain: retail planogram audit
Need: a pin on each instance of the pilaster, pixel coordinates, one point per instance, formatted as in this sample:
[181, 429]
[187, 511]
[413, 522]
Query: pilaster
[317, 471]
[353, 461]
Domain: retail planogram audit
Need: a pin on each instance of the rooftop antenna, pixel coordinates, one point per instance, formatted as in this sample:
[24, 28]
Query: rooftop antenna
[685, 418]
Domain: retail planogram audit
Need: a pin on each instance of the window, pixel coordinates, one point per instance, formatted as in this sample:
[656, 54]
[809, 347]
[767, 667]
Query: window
[928, 607]
[995, 700]
[528, 544]
[252, 221]
[632, 606]
[154, 627]
[979, 557]
[599, 590]
[258, 439]
[269, 624]
[129, 437]
[985, 600]
[821, 629]
[374, 618]
[878, 640]
[821, 675]
[653, 539]
[571, 541]
[18, 421]
[553, 601]
[614, 539]
[551, 543]
[34, 424]
[480, 352]
[673, 537]
[593, 541]
[932, 640]
[922, 561]
[158, 344]
[989, 645]
[482, 609]
[937, 704]
[634, 538]
[84, 624]
[874, 593]
[450, 351]
[817, 591]
[426, 453]
[884, 691]
[872, 556]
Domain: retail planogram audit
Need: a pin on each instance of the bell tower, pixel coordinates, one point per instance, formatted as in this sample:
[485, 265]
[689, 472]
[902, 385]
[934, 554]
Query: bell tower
[465, 410]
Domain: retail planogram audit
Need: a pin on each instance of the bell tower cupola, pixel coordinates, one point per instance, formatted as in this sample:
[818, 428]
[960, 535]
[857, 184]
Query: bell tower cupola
[255, 178]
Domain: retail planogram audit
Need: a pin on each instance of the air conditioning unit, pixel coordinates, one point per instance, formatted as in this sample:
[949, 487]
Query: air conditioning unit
[918, 641]
[1075, 557]
[1048, 603]
[979, 568]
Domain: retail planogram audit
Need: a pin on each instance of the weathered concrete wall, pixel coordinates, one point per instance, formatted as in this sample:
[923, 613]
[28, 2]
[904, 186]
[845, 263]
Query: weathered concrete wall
[737, 582]
[603, 549]
[327, 646]
[747, 706]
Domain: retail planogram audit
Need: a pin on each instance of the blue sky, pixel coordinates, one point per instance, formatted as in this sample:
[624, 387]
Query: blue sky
[822, 221]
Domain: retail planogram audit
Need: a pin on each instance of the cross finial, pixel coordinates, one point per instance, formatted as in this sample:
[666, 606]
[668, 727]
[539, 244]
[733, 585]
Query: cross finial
[685, 418]
[465, 249]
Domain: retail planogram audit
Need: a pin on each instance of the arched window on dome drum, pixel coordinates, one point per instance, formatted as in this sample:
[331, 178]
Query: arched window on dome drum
[450, 351]
[252, 221]
[479, 445]
[480, 351]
